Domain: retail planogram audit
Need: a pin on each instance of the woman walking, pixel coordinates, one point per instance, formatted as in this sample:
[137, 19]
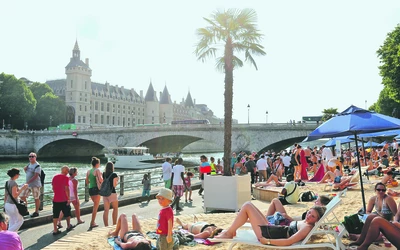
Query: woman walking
[94, 180]
[15, 219]
[112, 177]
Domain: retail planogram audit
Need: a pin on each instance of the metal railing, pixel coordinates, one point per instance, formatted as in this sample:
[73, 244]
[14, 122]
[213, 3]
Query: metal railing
[127, 182]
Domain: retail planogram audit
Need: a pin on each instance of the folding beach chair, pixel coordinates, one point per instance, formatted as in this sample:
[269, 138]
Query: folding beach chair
[323, 226]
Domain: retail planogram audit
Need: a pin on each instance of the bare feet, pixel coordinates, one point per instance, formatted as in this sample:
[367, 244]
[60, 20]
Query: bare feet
[112, 233]
[225, 235]
[177, 220]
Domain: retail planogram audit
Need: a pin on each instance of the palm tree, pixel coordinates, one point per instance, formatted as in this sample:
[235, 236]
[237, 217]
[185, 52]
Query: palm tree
[236, 30]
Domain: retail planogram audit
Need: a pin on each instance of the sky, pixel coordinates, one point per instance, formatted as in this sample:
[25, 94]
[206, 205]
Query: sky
[320, 54]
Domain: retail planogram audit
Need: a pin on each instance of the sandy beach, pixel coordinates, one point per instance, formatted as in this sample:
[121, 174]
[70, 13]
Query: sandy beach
[352, 202]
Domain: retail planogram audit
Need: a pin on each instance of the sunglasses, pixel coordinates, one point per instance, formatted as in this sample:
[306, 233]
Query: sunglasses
[380, 190]
[31, 156]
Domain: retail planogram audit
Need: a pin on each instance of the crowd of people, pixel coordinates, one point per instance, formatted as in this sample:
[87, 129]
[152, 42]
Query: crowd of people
[284, 169]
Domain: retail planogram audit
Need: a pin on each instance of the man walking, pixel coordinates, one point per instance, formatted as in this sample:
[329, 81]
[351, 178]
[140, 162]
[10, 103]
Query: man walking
[167, 172]
[61, 200]
[178, 181]
[262, 168]
[33, 171]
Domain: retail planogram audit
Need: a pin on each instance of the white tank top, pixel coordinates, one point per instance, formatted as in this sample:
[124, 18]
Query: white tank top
[71, 191]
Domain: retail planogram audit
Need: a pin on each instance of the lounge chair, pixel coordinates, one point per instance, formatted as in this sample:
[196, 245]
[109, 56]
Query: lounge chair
[323, 226]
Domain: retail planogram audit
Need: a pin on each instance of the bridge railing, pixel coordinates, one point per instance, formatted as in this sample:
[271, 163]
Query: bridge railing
[128, 182]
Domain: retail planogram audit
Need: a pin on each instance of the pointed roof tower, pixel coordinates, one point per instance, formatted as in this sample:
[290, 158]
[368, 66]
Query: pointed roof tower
[165, 98]
[189, 101]
[150, 95]
[75, 60]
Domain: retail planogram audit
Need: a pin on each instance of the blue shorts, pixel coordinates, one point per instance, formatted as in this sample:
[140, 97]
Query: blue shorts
[146, 192]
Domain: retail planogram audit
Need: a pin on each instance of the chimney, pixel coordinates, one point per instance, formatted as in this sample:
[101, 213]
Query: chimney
[160, 95]
[87, 61]
[194, 101]
[141, 94]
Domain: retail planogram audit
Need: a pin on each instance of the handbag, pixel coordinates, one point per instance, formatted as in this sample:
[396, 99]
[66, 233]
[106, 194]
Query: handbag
[274, 231]
[353, 224]
[21, 205]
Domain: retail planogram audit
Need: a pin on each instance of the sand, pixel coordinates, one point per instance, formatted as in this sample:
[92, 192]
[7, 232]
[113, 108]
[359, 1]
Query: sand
[352, 202]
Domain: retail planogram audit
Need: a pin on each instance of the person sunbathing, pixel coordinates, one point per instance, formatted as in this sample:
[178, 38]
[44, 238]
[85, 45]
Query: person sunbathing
[372, 229]
[276, 206]
[298, 230]
[130, 239]
[385, 206]
[200, 229]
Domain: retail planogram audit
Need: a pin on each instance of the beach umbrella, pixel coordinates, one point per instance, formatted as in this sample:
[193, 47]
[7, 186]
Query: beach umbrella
[354, 121]
[343, 139]
[369, 144]
[382, 144]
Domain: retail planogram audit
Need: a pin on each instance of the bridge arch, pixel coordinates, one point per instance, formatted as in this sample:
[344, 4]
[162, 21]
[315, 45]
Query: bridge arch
[64, 148]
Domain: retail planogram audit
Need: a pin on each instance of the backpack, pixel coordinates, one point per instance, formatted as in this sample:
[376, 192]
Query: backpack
[353, 224]
[42, 175]
[105, 188]
[307, 196]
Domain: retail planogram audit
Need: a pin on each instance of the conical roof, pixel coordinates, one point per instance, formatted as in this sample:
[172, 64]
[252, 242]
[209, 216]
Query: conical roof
[165, 98]
[189, 101]
[150, 95]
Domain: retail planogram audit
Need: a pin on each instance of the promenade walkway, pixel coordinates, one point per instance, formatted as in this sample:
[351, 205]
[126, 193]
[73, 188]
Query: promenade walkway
[36, 232]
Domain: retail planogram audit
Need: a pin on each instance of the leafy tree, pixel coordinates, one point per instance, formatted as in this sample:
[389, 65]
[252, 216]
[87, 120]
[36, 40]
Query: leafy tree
[386, 105]
[328, 114]
[389, 55]
[50, 109]
[16, 101]
[235, 31]
[40, 89]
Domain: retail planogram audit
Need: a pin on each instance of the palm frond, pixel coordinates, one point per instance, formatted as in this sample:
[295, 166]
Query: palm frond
[237, 63]
[251, 59]
[203, 55]
[220, 64]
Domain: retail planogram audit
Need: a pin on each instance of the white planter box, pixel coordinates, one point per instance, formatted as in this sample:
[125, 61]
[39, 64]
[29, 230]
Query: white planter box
[226, 192]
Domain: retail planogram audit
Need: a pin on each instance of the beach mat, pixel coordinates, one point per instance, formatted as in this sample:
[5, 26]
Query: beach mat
[111, 242]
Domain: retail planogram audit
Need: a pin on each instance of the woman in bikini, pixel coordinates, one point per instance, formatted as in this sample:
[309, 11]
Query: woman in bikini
[385, 206]
[200, 229]
[298, 230]
[130, 239]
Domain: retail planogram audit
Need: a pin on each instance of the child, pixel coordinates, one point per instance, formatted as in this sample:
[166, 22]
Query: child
[188, 189]
[146, 186]
[165, 220]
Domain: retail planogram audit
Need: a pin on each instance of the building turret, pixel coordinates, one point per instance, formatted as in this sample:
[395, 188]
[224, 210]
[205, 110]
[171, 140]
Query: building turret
[152, 106]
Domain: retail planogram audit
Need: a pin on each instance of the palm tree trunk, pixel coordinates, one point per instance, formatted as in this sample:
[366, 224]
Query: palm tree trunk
[228, 105]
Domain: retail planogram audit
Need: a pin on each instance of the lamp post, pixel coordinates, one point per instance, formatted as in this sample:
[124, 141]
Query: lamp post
[10, 123]
[266, 116]
[164, 118]
[248, 113]
[365, 104]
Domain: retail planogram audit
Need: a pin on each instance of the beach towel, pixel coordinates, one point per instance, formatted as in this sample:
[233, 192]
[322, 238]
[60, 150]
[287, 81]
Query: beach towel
[319, 174]
[111, 242]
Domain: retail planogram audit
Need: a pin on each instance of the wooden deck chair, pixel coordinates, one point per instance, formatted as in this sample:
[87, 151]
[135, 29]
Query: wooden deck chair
[323, 226]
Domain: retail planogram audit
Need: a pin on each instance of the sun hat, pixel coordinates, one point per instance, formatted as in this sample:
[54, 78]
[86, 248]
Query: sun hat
[166, 193]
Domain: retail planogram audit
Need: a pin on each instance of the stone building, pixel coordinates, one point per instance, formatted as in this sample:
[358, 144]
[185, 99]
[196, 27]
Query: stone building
[91, 104]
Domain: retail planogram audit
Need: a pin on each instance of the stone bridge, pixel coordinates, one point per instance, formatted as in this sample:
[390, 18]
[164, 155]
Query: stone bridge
[160, 139]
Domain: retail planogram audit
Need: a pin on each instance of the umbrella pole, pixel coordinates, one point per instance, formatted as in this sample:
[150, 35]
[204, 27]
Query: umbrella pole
[359, 169]
[365, 159]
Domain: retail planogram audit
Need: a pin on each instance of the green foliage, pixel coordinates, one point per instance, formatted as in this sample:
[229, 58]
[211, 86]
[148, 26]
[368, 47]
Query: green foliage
[16, 101]
[389, 55]
[48, 106]
[328, 114]
[40, 89]
[236, 32]
[386, 104]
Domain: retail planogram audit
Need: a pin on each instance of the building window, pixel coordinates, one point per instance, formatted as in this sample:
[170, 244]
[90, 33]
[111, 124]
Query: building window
[102, 106]
[119, 122]
[96, 119]
[80, 107]
[85, 85]
[96, 105]
[102, 119]
[71, 83]
[113, 120]
[123, 121]
[85, 108]
[108, 107]
[79, 119]
[108, 120]
[84, 119]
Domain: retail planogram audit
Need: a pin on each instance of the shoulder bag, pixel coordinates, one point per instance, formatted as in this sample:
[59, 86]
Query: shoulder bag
[21, 205]
[105, 188]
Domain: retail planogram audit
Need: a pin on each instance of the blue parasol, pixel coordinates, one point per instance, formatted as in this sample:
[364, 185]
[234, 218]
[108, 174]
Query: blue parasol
[354, 121]
[343, 139]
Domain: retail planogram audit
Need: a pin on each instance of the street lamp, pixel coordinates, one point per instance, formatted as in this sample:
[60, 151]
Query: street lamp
[365, 104]
[266, 116]
[248, 113]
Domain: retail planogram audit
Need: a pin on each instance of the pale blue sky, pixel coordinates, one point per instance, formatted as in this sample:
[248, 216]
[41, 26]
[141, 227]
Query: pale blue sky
[320, 54]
